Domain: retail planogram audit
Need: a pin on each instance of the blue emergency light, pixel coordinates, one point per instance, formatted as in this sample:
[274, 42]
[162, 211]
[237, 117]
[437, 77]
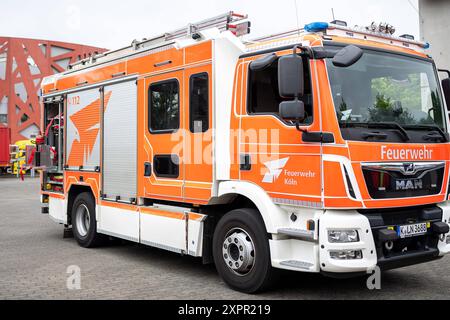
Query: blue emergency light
[316, 26]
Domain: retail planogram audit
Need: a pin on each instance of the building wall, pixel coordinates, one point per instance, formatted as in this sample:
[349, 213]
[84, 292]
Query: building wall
[23, 65]
[435, 29]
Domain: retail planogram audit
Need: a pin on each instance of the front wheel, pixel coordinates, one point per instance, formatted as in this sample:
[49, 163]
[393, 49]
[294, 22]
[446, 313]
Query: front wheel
[84, 222]
[241, 251]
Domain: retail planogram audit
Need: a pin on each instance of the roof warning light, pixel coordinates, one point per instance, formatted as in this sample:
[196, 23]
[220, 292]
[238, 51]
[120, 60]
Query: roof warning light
[316, 27]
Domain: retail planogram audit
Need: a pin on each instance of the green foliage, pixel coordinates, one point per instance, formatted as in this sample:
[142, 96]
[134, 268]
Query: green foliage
[164, 110]
[384, 111]
[407, 91]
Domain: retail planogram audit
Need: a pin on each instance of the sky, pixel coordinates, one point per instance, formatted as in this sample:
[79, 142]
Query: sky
[113, 24]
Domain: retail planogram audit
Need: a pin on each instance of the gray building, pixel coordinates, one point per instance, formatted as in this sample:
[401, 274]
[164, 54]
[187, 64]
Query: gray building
[435, 29]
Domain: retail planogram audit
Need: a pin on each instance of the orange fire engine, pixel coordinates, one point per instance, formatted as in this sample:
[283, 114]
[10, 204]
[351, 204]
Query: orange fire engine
[324, 149]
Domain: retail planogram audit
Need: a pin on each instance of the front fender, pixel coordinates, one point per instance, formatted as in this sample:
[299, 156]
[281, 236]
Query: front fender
[274, 217]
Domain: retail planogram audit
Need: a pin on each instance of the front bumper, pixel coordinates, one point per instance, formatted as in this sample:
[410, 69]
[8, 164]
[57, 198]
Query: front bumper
[375, 250]
[294, 248]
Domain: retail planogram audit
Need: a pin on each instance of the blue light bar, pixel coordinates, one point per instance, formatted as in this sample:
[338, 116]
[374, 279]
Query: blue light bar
[316, 26]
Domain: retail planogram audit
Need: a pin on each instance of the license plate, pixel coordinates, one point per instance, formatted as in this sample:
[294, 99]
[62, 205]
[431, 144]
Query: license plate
[412, 230]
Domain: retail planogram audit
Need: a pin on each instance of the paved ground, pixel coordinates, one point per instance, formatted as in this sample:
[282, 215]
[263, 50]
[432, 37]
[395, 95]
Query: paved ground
[34, 259]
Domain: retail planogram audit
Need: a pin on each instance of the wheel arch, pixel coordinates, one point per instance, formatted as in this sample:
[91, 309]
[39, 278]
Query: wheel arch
[272, 215]
[74, 191]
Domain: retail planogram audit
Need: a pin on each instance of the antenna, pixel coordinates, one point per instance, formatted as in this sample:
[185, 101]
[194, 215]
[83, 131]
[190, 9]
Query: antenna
[298, 20]
[332, 12]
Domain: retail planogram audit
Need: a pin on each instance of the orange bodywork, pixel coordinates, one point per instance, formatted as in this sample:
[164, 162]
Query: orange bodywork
[195, 180]
[309, 180]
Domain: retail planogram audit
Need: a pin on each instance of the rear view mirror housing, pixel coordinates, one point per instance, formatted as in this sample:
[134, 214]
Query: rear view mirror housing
[291, 85]
[347, 56]
[290, 76]
[292, 110]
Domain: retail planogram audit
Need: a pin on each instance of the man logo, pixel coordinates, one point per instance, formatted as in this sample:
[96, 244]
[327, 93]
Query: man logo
[409, 168]
[406, 185]
[275, 169]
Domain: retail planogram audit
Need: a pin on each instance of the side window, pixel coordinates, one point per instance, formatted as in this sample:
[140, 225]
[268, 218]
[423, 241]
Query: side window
[166, 166]
[164, 106]
[199, 103]
[263, 91]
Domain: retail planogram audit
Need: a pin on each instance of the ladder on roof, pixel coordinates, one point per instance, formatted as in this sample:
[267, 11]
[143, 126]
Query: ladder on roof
[223, 22]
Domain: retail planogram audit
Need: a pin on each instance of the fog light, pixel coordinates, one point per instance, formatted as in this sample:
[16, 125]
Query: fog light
[346, 255]
[343, 236]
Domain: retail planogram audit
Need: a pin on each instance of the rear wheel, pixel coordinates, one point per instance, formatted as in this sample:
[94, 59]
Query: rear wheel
[241, 251]
[84, 221]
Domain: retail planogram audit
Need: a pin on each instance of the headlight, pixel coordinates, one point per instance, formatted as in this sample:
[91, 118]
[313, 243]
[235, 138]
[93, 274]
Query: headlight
[346, 255]
[343, 236]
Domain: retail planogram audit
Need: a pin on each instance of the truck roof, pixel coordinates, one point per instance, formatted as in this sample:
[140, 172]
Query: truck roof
[315, 34]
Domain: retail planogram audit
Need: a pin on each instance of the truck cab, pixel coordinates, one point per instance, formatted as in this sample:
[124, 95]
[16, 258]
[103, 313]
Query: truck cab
[360, 151]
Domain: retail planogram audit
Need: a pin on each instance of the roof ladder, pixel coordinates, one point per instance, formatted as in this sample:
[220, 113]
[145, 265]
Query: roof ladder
[223, 22]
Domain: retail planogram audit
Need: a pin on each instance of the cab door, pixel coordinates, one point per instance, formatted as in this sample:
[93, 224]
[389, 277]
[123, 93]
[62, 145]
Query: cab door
[163, 143]
[198, 134]
[271, 152]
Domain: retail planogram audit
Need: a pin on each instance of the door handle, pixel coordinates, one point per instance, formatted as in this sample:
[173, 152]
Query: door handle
[246, 162]
[319, 137]
[147, 169]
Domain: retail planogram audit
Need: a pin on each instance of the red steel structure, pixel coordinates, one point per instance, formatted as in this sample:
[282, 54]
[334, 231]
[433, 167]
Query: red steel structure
[23, 65]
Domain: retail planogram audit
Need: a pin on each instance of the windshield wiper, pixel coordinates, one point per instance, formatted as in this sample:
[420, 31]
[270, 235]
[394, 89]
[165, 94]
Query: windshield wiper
[431, 127]
[380, 125]
[375, 135]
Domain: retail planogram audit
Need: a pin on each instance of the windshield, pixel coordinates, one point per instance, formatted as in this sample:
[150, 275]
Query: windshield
[387, 88]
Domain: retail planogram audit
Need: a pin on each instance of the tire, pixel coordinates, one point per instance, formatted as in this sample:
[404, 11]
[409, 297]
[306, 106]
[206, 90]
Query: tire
[236, 234]
[84, 222]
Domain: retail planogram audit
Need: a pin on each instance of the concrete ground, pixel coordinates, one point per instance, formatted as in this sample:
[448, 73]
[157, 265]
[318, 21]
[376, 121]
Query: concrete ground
[34, 259]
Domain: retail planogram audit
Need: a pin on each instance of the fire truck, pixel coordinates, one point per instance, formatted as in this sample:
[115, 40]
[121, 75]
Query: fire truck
[319, 150]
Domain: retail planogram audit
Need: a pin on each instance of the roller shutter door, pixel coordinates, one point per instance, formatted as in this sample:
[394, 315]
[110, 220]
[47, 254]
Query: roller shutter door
[119, 149]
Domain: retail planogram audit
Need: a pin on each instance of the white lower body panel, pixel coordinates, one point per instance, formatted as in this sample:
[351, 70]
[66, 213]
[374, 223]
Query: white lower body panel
[173, 231]
[117, 222]
[163, 232]
[58, 210]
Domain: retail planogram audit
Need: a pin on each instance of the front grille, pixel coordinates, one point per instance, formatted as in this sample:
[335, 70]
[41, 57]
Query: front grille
[403, 180]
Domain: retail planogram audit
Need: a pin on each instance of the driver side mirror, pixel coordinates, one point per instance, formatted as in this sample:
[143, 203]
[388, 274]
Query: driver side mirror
[290, 76]
[292, 110]
[291, 85]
